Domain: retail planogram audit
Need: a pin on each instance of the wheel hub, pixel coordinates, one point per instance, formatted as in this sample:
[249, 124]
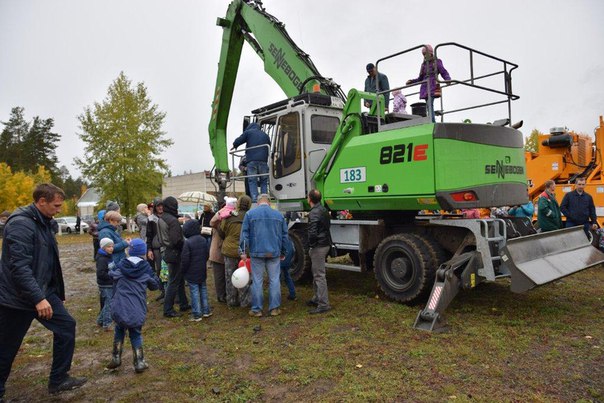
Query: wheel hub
[400, 267]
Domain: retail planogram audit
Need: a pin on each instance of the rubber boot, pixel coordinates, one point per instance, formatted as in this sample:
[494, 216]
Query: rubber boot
[116, 356]
[139, 360]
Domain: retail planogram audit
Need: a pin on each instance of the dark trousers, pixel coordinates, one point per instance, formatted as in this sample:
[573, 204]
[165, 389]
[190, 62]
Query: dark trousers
[157, 267]
[219, 281]
[176, 284]
[586, 226]
[14, 324]
[96, 244]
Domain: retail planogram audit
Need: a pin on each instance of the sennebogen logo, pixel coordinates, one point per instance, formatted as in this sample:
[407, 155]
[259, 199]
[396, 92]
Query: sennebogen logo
[501, 168]
[282, 64]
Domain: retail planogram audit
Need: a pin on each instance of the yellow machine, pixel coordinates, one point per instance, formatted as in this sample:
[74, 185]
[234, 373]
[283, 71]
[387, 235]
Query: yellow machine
[564, 156]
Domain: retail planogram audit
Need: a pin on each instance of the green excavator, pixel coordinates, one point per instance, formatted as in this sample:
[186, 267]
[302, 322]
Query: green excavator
[386, 169]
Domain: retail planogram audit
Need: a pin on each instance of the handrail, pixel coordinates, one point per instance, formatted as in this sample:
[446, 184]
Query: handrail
[507, 69]
[241, 153]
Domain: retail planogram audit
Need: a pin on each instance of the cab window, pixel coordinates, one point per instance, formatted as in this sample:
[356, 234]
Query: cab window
[323, 128]
[287, 157]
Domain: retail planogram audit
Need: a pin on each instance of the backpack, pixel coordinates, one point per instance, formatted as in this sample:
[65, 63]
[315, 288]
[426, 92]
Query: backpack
[162, 233]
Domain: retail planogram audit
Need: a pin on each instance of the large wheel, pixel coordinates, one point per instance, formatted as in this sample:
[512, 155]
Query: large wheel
[300, 268]
[403, 267]
[438, 255]
[68, 230]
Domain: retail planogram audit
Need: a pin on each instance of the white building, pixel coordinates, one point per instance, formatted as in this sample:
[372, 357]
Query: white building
[198, 181]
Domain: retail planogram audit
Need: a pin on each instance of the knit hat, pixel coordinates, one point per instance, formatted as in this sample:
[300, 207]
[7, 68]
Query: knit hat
[230, 201]
[244, 203]
[137, 247]
[105, 242]
[112, 206]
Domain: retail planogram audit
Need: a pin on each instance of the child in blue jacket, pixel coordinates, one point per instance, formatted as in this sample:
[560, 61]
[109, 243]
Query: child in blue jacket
[131, 278]
[195, 253]
[104, 263]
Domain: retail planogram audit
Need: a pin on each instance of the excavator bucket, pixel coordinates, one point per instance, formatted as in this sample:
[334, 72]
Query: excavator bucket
[539, 259]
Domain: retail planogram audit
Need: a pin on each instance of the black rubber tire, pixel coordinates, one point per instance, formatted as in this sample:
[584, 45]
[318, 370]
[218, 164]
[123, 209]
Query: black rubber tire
[300, 268]
[438, 254]
[68, 230]
[402, 268]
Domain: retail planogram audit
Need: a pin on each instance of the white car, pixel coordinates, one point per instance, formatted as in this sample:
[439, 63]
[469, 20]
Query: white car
[68, 224]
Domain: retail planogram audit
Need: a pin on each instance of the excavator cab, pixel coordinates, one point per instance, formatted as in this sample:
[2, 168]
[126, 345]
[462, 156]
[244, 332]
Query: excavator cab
[301, 129]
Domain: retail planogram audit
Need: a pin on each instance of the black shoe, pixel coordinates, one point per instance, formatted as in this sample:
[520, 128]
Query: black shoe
[185, 308]
[172, 314]
[292, 297]
[310, 302]
[70, 383]
[161, 296]
[319, 310]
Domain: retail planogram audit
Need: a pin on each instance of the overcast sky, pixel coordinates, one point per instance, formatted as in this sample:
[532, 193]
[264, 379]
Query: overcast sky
[59, 56]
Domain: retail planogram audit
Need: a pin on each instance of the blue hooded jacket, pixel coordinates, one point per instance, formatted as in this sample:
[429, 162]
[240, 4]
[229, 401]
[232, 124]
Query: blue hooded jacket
[107, 230]
[195, 253]
[252, 136]
[131, 278]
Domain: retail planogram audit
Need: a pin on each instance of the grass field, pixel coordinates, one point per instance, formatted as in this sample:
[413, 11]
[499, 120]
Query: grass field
[545, 345]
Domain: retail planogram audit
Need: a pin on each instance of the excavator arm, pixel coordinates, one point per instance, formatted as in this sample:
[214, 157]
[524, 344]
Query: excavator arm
[284, 61]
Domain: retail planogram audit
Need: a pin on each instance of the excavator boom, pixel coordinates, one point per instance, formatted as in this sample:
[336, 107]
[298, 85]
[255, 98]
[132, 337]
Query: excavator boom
[284, 61]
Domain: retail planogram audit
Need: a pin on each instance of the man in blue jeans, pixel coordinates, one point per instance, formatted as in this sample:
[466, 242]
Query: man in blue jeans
[256, 155]
[31, 287]
[264, 235]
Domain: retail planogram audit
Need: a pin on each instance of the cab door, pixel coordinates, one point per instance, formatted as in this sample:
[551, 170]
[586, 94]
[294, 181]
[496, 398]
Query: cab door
[287, 158]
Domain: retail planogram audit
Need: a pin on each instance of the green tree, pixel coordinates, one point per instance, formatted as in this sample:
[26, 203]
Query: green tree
[124, 141]
[25, 146]
[39, 145]
[11, 138]
[532, 142]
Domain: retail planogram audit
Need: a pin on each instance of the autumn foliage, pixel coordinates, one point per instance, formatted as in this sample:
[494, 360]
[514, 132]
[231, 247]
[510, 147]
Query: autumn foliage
[17, 187]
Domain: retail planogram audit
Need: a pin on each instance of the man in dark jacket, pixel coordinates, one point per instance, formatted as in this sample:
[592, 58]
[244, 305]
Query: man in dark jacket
[176, 282]
[319, 240]
[256, 155]
[578, 208]
[375, 78]
[31, 287]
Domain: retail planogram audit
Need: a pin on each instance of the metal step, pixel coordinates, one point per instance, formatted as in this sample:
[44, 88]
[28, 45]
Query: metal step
[347, 267]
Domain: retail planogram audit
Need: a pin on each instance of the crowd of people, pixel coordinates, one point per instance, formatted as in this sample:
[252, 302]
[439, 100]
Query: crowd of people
[577, 206]
[167, 254]
[163, 257]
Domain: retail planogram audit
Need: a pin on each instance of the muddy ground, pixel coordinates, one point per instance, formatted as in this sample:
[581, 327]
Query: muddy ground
[541, 346]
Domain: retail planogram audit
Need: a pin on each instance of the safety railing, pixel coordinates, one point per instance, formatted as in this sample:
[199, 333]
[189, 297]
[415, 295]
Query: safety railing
[472, 81]
[241, 154]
